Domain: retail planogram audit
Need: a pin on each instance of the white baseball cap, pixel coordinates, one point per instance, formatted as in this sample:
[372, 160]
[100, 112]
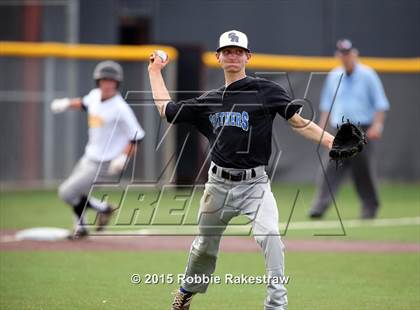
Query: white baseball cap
[233, 38]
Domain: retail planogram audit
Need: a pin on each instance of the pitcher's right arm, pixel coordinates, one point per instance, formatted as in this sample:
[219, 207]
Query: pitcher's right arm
[160, 92]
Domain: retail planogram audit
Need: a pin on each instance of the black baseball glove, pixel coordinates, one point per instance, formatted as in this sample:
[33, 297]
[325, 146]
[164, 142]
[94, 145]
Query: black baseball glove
[348, 142]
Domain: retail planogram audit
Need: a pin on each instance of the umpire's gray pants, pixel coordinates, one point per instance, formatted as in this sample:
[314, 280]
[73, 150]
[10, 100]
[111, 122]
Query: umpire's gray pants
[363, 175]
[80, 181]
[223, 200]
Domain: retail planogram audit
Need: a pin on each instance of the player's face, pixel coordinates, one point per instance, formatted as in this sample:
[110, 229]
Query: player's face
[233, 59]
[108, 88]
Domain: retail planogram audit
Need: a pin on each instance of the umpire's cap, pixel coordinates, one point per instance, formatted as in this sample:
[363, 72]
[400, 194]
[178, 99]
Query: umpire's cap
[108, 70]
[344, 46]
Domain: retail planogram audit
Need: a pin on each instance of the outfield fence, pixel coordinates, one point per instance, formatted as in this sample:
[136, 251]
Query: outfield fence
[40, 148]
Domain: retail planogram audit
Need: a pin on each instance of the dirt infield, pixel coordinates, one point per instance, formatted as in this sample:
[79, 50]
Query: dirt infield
[182, 243]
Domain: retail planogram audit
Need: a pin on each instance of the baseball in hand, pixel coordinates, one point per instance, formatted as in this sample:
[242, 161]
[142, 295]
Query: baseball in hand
[162, 55]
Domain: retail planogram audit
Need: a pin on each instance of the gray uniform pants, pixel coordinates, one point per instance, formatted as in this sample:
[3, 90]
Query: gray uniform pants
[80, 181]
[223, 200]
[362, 173]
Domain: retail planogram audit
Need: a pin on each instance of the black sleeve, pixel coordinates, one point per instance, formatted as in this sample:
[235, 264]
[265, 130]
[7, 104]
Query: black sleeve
[277, 100]
[184, 111]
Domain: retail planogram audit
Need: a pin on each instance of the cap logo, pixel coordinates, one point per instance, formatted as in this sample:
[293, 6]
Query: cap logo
[233, 37]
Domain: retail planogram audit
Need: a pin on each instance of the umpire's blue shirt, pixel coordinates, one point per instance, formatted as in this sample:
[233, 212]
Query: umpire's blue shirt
[359, 95]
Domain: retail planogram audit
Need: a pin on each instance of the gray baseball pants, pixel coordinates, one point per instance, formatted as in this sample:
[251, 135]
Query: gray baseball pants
[76, 188]
[223, 200]
[80, 181]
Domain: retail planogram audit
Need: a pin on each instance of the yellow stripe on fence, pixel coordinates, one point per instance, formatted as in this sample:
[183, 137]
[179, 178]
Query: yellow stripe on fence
[309, 63]
[83, 51]
[142, 53]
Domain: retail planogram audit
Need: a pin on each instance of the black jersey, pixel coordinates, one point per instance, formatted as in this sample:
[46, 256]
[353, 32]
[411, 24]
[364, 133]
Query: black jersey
[237, 120]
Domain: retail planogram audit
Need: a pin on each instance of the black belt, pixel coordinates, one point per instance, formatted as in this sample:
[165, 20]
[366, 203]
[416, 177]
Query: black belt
[240, 176]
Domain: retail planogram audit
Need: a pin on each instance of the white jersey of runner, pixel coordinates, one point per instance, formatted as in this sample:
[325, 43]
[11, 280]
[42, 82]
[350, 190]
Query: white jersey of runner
[112, 125]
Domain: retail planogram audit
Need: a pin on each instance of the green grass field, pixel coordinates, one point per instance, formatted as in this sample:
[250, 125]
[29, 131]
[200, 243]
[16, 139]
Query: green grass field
[43, 208]
[101, 280]
[95, 280]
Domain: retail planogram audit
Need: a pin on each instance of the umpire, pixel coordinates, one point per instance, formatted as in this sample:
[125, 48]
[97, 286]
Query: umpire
[361, 99]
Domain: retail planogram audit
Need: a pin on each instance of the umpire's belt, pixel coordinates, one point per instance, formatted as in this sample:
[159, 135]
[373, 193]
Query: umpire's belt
[235, 175]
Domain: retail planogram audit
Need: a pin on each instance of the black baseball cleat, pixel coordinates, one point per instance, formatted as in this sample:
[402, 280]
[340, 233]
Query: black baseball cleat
[104, 217]
[182, 301]
[315, 214]
[368, 215]
[78, 234]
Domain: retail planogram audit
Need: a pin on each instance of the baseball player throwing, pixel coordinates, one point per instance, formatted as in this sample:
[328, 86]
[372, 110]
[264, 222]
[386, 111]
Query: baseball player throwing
[113, 134]
[237, 120]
